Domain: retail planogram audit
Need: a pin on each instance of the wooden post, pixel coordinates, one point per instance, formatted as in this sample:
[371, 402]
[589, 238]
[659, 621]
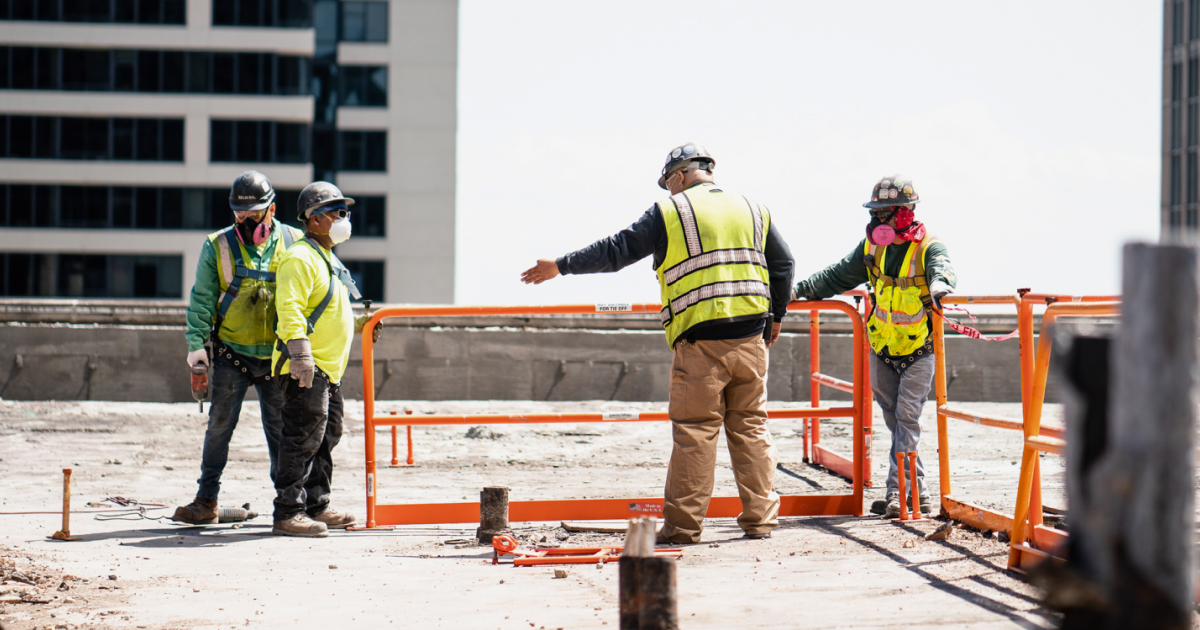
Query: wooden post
[493, 513]
[646, 592]
[1130, 483]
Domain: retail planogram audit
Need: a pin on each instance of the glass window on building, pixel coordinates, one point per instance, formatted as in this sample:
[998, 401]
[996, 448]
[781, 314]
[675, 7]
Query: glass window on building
[369, 215]
[368, 275]
[364, 22]
[75, 138]
[127, 11]
[1177, 22]
[264, 141]
[363, 86]
[272, 13]
[91, 276]
[153, 71]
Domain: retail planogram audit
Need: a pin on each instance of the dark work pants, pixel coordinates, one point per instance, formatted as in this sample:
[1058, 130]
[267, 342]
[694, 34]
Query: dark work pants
[312, 427]
[229, 386]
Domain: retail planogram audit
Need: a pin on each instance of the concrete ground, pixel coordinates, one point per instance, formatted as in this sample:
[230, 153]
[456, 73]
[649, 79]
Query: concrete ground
[144, 573]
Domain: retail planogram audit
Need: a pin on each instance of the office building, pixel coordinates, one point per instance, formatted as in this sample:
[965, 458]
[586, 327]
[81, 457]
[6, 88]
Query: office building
[123, 123]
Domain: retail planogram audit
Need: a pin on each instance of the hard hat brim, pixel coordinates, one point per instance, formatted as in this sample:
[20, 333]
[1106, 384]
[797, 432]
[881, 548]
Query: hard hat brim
[889, 203]
[257, 206]
[309, 211]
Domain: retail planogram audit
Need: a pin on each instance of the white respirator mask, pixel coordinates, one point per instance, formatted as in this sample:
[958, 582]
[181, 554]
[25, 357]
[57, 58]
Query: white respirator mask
[340, 231]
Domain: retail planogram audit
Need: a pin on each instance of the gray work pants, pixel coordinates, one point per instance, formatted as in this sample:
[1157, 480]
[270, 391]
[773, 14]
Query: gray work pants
[901, 397]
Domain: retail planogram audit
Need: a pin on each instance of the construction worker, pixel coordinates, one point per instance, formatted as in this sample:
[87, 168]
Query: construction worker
[907, 272]
[233, 305]
[725, 274]
[316, 328]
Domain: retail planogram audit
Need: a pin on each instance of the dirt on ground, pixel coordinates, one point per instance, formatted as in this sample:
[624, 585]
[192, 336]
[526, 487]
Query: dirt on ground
[136, 569]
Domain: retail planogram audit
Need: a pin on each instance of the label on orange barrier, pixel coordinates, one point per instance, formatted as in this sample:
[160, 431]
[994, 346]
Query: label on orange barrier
[614, 308]
[371, 484]
[653, 509]
[620, 415]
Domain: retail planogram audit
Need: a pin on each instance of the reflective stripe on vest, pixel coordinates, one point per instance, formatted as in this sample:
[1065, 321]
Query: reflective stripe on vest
[242, 317]
[714, 268]
[899, 323]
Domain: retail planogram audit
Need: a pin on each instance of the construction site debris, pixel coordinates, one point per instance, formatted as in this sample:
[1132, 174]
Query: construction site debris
[941, 533]
[493, 513]
[908, 544]
[560, 574]
[483, 433]
[596, 528]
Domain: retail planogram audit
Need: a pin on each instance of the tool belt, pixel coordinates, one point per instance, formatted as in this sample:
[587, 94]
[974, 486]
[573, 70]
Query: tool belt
[257, 371]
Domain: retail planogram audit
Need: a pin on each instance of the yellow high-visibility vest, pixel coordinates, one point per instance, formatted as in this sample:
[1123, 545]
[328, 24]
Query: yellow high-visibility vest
[899, 321]
[715, 269]
[247, 312]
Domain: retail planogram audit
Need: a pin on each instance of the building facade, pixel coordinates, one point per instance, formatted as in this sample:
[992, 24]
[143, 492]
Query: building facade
[1178, 214]
[123, 123]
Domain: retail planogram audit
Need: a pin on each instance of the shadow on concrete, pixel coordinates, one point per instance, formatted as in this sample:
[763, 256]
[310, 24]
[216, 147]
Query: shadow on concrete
[831, 526]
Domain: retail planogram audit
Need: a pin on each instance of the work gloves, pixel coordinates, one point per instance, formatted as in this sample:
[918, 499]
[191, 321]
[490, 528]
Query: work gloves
[196, 357]
[302, 366]
[939, 290]
[361, 321]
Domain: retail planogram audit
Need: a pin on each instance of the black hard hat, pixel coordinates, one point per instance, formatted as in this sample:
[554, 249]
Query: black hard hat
[316, 195]
[683, 154]
[896, 190]
[251, 191]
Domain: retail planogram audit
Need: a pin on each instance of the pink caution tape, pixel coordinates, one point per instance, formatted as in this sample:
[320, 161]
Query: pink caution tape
[967, 330]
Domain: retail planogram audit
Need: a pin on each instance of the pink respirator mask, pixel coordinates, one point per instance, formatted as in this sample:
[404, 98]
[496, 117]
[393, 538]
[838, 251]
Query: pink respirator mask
[880, 233]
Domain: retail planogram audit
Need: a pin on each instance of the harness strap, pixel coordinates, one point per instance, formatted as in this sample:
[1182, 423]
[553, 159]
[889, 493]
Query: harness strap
[233, 279]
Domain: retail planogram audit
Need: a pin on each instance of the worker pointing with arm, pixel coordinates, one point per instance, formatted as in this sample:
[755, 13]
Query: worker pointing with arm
[907, 272]
[233, 306]
[725, 276]
[316, 327]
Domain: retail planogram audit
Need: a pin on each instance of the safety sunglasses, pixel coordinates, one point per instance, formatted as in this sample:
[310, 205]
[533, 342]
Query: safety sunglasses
[257, 215]
[340, 213]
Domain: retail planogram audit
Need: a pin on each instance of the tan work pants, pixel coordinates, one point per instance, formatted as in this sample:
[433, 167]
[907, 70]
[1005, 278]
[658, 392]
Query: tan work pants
[715, 383]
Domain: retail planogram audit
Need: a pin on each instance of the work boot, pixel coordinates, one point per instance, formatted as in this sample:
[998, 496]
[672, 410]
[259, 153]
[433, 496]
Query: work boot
[926, 506]
[893, 508]
[334, 519]
[677, 540]
[878, 506]
[200, 511]
[300, 525]
[757, 535]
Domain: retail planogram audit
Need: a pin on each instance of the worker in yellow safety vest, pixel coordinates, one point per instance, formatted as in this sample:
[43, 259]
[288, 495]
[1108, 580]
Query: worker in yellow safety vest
[232, 308]
[316, 327]
[907, 271]
[725, 276]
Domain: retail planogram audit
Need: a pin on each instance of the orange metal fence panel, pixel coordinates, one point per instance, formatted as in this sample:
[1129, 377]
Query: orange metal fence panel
[380, 514]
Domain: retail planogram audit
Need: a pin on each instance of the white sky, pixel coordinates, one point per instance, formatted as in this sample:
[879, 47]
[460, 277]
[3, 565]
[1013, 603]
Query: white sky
[1030, 128]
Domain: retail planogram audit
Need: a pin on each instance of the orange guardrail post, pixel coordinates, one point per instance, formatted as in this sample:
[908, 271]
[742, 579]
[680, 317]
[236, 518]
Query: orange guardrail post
[1030, 454]
[939, 355]
[814, 364]
[903, 493]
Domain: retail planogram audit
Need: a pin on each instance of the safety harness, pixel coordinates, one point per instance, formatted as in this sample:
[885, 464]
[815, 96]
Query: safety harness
[342, 275]
[233, 271]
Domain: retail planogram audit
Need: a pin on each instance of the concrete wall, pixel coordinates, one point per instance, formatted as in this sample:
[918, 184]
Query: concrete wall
[146, 363]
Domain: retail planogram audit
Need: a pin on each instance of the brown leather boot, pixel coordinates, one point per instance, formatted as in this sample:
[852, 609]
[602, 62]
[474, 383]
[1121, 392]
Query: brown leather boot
[200, 511]
[334, 519]
[300, 525]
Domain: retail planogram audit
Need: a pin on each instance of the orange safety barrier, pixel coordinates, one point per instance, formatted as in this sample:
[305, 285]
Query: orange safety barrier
[1033, 381]
[380, 514]
[813, 450]
[1031, 541]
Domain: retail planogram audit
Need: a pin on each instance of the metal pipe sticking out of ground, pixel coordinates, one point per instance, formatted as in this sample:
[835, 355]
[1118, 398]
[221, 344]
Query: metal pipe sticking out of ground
[493, 514]
[65, 532]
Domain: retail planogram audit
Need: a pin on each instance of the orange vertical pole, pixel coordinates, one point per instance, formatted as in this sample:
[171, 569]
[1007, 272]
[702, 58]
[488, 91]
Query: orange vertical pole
[860, 370]
[900, 476]
[916, 487]
[368, 358]
[814, 364]
[1035, 493]
[395, 458]
[410, 448]
[868, 409]
[939, 382]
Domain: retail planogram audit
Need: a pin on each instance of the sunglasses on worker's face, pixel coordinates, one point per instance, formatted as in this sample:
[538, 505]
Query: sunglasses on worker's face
[340, 213]
[257, 215]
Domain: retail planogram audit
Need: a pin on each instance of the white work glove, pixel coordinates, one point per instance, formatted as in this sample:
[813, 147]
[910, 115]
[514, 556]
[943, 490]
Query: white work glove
[939, 290]
[302, 367]
[197, 356]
